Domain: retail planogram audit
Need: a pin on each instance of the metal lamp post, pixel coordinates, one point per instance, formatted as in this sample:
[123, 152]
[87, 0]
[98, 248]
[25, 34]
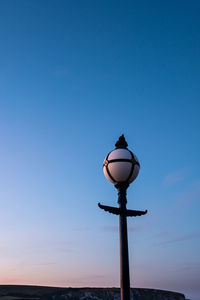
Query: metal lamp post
[121, 167]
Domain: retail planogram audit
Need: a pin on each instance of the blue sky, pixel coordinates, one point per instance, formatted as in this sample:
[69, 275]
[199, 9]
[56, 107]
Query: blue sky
[74, 76]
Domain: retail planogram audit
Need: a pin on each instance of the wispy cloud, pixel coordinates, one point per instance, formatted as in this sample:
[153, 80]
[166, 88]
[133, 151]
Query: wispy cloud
[82, 228]
[177, 238]
[174, 177]
[140, 227]
[109, 228]
[187, 266]
[162, 234]
[43, 264]
[189, 197]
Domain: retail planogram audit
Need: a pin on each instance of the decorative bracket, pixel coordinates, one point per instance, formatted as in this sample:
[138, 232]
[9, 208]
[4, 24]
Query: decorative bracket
[119, 211]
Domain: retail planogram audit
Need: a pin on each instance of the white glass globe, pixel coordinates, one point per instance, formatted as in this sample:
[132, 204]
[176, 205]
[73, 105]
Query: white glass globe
[121, 165]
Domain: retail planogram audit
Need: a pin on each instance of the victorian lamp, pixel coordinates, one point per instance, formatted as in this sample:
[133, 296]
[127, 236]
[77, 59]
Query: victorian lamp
[121, 167]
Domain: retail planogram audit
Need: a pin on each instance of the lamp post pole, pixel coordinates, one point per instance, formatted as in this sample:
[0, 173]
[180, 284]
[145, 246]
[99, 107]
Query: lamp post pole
[121, 167]
[124, 260]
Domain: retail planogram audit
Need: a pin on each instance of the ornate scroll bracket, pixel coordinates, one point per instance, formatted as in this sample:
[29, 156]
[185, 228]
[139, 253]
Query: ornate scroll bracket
[118, 211]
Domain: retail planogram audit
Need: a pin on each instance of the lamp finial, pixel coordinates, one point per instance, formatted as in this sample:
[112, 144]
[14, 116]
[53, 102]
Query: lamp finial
[121, 143]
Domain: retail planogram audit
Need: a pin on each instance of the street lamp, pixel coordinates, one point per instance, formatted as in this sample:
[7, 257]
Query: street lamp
[121, 167]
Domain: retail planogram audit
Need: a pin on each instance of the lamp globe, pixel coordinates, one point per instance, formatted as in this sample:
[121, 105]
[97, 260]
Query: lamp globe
[121, 165]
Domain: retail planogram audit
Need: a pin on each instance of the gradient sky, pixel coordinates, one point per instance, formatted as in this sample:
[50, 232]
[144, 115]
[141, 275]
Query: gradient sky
[74, 76]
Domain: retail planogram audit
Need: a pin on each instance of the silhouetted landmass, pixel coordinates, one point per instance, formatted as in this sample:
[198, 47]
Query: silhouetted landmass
[25, 292]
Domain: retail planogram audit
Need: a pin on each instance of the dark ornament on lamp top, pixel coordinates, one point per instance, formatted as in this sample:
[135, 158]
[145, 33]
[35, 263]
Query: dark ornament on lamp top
[121, 143]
